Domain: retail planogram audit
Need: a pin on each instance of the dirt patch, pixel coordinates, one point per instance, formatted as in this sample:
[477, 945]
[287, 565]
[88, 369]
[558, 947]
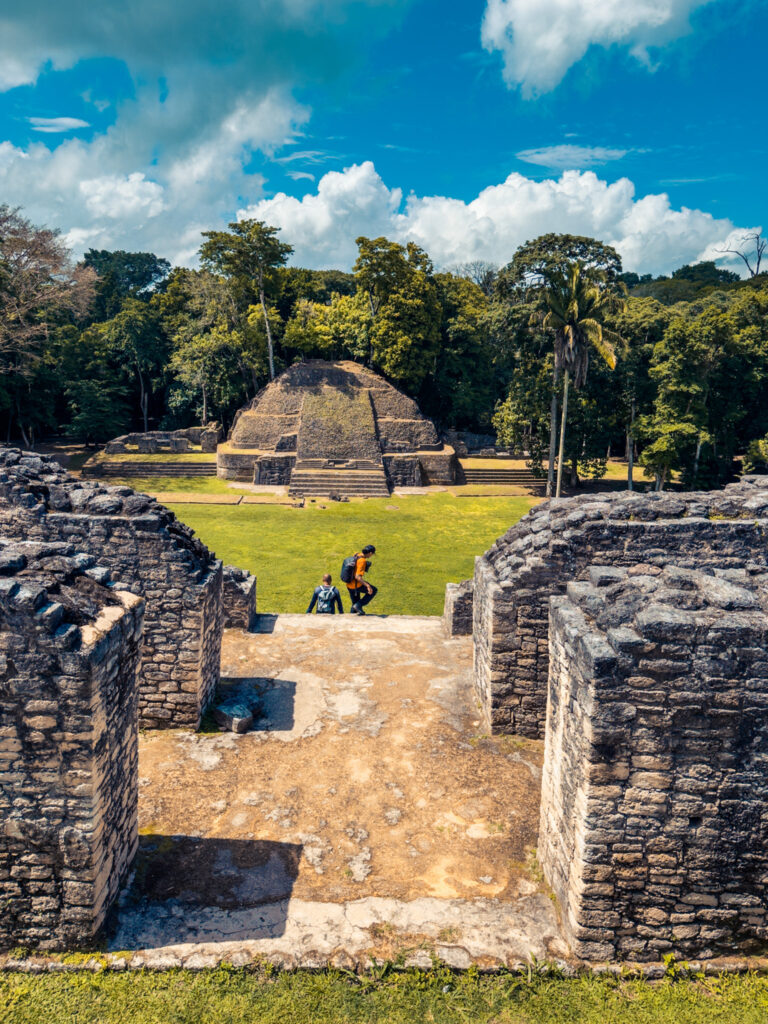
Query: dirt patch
[367, 758]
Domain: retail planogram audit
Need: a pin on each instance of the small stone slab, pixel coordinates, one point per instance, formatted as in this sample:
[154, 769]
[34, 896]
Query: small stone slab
[234, 717]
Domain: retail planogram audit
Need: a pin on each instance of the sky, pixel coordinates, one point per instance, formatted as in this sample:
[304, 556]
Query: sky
[467, 126]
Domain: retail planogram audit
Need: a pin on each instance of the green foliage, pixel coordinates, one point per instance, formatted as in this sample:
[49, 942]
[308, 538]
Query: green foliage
[756, 460]
[123, 274]
[339, 329]
[97, 410]
[707, 367]
[536, 261]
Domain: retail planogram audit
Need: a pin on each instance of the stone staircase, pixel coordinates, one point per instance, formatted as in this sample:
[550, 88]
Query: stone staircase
[141, 469]
[351, 480]
[508, 477]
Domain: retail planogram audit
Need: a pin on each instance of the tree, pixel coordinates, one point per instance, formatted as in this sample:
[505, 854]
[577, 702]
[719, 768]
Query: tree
[459, 389]
[479, 272]
[402, 296]
[576, 310]
[122, 274]
[710, 370]
[97, 408]
[641, 323]
[752, 260]
[249, 255]
[40, 288]
[135, 336]
[535, 261]
[339, 329]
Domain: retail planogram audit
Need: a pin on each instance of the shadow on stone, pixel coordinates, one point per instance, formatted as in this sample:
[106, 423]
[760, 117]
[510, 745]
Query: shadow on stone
[272, 701]
[190, 889]
[263, 624]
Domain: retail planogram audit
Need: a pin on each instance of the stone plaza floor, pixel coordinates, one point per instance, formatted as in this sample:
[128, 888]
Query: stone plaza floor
[365, 815]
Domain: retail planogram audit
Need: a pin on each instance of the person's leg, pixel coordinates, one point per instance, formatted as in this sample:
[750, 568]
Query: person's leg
[354, 597]
[367, 596]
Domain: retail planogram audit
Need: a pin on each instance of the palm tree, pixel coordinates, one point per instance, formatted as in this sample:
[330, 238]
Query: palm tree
[576, 308]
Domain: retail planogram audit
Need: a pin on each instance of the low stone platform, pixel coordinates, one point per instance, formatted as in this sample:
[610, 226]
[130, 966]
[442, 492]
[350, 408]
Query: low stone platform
[365, 815]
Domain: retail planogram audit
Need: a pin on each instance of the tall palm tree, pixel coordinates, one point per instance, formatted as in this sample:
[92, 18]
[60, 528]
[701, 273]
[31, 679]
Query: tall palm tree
[576, 308]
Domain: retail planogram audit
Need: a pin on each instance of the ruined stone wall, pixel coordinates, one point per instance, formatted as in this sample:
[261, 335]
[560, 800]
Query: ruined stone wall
[238, 598]
[557, 542]
[654, 815]
[148, 550]
[69, 656]
[458, 612]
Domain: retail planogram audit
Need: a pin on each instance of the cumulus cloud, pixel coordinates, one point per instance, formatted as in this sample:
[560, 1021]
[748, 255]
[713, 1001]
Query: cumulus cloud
[567, 156]
[541, 39]
[649, 233]
[164, 205]
[55, 125]
[210, 92]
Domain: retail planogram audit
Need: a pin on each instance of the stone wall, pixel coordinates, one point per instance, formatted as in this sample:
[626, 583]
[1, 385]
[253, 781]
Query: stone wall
[457, 614]
[152, 554]
[654, 816]
[238, 598]
[557, 542]
[69, 654]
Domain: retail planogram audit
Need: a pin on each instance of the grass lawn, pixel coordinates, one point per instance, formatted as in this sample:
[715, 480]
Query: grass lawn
[422, 543]
[237, 997]
[187, 484]
[188, 456]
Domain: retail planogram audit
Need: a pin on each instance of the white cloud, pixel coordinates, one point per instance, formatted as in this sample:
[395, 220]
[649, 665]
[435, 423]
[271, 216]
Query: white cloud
[568, 156]
[650, 235]
[57, 124]
[131, 196]
[541, 39]
[210, 92]
[96, 194]
[323, 227]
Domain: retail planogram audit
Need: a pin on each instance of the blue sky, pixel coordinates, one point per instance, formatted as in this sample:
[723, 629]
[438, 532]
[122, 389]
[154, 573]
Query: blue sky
[467, 127]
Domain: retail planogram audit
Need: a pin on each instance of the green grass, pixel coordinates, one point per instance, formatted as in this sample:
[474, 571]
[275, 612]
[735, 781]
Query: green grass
[176, 484]
[137, 456]
[384, 997]
[422, 543]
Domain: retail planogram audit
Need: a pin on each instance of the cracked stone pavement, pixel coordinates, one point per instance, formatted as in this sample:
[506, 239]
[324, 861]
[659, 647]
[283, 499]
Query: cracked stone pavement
[364, 816]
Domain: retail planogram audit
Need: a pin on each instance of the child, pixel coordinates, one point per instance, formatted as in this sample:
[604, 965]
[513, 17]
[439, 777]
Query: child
[326, 597]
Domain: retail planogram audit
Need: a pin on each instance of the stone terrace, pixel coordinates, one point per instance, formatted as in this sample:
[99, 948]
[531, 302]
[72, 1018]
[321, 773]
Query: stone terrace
[366, 812]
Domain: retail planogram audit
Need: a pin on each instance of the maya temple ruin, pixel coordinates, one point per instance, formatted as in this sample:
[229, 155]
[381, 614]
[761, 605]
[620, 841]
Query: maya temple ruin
[626, 634]
[324, 428]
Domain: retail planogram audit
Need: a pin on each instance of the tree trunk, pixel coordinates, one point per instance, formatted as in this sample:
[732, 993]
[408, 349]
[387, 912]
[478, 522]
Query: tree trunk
[205, 406]
[552, 436]
[562, 435]
[143, 399]
[696, 462]
[268, 329]
[631, 450]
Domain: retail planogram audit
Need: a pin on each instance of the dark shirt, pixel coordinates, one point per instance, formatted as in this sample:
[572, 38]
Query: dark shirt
[335, 600]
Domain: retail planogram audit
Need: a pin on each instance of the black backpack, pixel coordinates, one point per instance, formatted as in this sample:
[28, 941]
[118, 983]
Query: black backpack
[348, 568]
[325, 600]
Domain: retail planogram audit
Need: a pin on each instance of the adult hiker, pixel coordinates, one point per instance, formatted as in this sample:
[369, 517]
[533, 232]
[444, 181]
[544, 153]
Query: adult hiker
[326, 597]
[353, 571]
